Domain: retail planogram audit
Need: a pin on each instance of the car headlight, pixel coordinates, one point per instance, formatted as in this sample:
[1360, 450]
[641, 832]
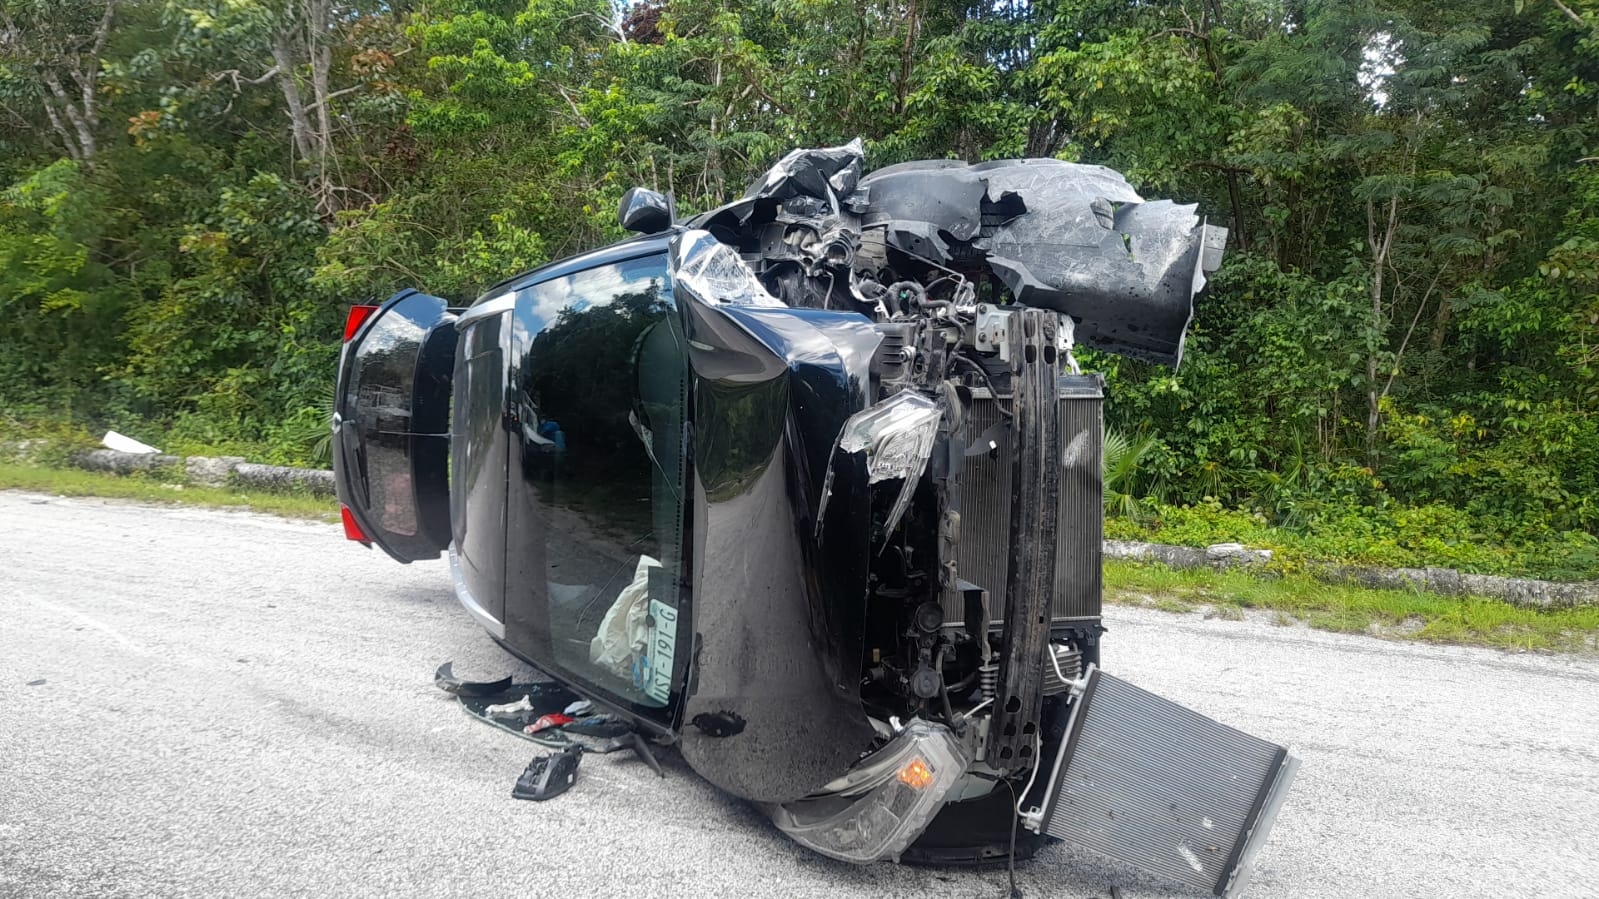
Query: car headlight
[883, 803]
[897, 436]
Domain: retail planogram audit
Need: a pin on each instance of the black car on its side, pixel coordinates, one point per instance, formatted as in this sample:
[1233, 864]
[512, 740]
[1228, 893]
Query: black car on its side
[809, 486]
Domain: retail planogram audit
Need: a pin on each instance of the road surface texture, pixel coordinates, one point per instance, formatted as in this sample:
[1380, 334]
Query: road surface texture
[207, 703]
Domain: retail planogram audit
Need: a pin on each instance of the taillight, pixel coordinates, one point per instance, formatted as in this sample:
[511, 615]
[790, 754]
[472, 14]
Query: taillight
[352, 531]
[352, 323]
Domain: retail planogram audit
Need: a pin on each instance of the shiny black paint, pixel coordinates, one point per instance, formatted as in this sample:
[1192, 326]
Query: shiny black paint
[631, 248]
[773, 707]
[645, 211]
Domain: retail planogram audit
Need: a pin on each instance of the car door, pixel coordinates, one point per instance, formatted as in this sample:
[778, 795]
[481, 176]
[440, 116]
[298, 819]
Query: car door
[391, 425]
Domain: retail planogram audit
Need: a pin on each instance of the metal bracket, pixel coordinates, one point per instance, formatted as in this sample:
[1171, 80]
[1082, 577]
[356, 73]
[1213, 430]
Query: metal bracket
[1034, 518]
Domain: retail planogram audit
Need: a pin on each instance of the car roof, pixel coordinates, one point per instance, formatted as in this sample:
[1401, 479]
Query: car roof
[639, 245]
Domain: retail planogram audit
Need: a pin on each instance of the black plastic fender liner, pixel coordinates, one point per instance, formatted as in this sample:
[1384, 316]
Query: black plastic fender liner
[1128, 283]
[1072, 238]
[939, 198]
[445, 680]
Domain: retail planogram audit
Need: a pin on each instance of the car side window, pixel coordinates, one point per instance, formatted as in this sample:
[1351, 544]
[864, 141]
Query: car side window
[598, 407]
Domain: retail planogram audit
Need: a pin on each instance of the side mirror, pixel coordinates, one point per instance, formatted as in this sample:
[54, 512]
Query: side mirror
[645, 211]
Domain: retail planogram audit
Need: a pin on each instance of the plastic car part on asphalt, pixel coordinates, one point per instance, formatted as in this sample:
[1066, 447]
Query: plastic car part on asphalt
[446, 680]
[548, 776]
[569, 722]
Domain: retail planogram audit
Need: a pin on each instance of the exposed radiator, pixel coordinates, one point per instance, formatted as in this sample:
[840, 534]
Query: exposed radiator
[985, 504]
[1160, 786]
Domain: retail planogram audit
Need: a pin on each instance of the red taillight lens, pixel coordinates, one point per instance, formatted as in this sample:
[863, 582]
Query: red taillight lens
[352, 531]
[352, 323]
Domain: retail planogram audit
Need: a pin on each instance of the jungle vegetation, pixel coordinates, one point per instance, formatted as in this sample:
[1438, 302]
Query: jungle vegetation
[1399, 360]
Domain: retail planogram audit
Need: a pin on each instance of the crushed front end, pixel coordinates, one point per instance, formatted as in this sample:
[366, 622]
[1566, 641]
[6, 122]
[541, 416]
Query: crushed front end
[921, 464]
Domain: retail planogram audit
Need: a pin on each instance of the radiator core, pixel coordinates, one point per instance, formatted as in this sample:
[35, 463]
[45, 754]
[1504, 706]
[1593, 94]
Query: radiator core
[1159, 786]
[984, 547]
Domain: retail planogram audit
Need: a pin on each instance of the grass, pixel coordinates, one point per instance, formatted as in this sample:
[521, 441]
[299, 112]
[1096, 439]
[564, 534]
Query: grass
[1392, 536]
[154, 488]
[1396, 614]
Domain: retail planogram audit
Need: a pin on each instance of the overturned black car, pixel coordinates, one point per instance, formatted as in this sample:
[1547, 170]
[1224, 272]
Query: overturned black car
[810, 485]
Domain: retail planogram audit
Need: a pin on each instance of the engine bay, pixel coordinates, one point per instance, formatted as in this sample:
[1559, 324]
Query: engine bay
[984, 440]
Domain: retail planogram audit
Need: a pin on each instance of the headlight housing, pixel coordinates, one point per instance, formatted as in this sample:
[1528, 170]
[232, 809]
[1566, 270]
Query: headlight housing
[884, 803]
[897, 436]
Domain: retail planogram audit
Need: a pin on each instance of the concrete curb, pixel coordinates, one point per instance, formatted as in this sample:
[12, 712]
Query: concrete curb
[220, 471]
[211, 471]
[1446, 581]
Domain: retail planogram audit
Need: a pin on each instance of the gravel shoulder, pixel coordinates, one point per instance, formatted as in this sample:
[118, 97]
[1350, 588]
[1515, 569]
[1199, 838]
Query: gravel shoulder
[237, 704]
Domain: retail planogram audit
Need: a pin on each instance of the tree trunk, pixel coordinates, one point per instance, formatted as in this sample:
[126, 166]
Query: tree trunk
[1380, 247]
[287, 82]
[906, 62]
[318, 42]
[58, 58]
[303, 56]
[1238, 210]
[82, 120]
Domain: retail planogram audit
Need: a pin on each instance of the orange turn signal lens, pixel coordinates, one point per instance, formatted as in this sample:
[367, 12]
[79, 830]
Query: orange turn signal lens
[917, 774]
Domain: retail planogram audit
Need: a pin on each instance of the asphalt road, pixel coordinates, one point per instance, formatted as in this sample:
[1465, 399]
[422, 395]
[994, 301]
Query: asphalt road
[205, 703]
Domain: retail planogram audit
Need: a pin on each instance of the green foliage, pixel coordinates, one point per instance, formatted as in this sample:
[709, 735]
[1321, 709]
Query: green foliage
[1121, 456]
[1396, 614]
[1396, 363]
[53, 295]
[1392, 536]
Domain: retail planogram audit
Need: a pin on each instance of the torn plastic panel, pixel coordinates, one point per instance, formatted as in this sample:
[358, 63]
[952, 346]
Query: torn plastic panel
[930, 237]
[812, 173]
[446, 680]
[876, 810]
[1130, 291]
[1073, 238]
[798, 225]
[548, 776]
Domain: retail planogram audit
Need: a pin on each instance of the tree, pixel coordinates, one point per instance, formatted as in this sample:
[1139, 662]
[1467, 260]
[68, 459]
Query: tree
[50, 53]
